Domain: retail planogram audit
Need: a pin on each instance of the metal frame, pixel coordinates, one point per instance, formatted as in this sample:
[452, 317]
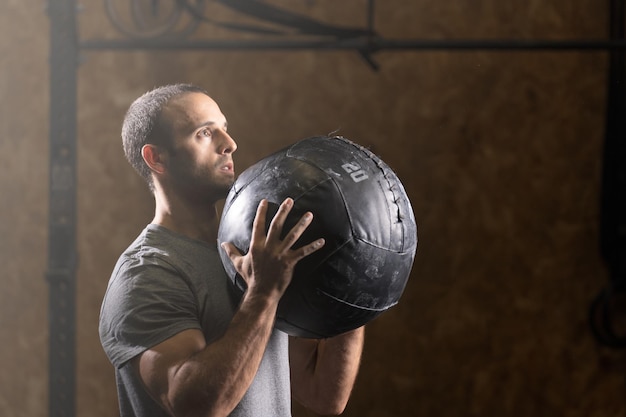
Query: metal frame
[62, 208]
[65, 46]
[606, 306]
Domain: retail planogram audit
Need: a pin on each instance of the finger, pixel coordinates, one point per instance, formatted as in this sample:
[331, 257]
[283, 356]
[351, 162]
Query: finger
[236, 257]
[258, 225]
[276, 226]
[296, 231]
[306, 250]
[232, 251]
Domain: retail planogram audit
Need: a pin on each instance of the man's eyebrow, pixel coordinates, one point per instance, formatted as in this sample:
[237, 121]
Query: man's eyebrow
[210, 123]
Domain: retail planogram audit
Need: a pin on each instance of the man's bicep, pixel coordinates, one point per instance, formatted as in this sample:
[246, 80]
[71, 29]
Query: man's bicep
[157, 366]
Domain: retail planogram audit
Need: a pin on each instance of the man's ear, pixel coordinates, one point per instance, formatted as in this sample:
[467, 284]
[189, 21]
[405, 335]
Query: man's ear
[155, 158]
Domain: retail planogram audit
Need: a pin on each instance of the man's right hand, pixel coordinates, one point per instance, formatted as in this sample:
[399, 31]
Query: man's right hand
[268, 266]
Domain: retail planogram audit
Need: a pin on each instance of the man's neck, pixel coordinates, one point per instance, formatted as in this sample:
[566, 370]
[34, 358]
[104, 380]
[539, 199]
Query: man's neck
[193, 221]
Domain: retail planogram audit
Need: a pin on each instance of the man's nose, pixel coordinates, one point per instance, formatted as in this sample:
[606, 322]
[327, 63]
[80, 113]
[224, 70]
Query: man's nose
[228, 144]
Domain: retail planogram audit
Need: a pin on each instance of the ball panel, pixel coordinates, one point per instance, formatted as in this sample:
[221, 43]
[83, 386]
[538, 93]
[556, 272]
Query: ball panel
[356, 170]
[312, 313]
[308, 187]
[359, 274]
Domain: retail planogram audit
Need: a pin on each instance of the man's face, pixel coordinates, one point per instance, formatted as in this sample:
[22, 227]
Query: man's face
[200, 164]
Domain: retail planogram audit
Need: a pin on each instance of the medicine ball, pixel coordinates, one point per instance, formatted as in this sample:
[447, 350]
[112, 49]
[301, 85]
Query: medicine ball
[359, 207]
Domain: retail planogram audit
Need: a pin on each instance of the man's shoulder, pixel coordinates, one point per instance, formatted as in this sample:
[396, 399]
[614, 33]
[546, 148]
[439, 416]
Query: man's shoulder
[153, 245]
[158, 251]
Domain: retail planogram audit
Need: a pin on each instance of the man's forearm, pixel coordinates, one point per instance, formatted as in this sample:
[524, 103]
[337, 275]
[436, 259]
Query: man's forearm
[324, 371]
[215, 379]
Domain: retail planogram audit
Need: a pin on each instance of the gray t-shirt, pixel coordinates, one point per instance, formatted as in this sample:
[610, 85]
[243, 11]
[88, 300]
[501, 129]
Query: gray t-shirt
[165, 283]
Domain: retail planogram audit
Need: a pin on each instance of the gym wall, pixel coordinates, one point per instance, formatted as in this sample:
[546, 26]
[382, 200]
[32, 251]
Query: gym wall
[500, 153]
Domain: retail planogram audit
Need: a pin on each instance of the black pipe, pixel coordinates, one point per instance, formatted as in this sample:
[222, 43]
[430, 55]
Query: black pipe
[607, 305]
[374, 44]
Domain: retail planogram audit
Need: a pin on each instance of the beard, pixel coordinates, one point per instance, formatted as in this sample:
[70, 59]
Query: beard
[200, 184]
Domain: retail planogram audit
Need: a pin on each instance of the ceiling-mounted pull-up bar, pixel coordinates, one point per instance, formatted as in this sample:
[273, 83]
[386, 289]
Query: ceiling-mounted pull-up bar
[163, 27]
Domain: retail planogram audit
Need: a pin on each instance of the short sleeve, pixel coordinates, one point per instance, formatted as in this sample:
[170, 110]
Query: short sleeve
[144, 305]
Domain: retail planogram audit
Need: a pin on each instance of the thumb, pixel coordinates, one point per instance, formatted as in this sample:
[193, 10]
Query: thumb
[232, 251]
[236, 258]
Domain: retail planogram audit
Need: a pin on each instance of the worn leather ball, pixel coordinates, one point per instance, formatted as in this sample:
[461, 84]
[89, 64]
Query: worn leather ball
[360, 208]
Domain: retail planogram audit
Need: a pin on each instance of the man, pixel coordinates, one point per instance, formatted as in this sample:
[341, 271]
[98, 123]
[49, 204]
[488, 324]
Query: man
[181, 342]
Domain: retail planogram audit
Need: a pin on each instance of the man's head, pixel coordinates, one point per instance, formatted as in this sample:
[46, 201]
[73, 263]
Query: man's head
[143, 125]
[177, 134]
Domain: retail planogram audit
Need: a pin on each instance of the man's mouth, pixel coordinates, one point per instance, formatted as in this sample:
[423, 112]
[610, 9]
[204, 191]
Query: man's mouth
[229, 167]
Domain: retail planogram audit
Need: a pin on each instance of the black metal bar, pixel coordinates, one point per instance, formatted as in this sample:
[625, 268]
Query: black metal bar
[62, 212]
[373, 45]
[371, 4]
[613, 197]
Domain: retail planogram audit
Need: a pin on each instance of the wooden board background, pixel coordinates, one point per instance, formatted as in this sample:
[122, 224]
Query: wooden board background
[500, 153]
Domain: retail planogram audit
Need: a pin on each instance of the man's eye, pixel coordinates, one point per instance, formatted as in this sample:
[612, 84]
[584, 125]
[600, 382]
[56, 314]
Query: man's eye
[206, 132]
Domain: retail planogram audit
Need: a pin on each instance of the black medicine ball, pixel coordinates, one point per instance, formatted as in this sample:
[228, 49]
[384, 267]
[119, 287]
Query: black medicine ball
[359, 207]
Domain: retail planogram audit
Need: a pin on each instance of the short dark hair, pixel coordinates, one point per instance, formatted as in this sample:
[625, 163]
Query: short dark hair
[143, 124]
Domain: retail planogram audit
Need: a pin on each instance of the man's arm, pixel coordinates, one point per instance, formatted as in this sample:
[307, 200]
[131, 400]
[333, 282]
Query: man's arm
[323, 371]
[190, 378]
